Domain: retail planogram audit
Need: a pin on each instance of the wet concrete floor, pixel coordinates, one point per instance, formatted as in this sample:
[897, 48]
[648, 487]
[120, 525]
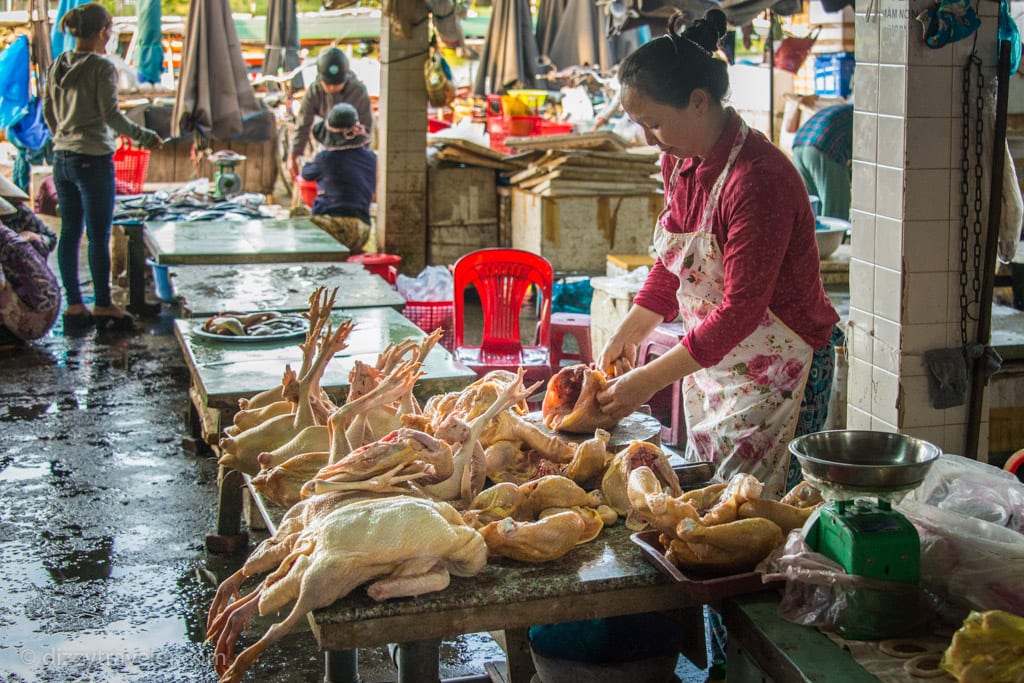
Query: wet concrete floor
[102, 517]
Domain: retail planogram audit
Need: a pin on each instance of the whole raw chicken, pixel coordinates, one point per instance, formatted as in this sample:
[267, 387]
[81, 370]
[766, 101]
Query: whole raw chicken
[405, 546]
[570, 404]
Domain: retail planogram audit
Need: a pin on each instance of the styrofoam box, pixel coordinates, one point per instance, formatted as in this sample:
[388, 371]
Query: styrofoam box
[749, 87]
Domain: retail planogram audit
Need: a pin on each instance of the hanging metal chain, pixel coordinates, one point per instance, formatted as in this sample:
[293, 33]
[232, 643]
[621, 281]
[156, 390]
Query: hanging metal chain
[965, 201]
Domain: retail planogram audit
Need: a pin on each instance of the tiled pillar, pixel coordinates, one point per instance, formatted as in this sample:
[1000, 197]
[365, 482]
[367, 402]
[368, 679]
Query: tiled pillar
[401, 156]
[904, 274]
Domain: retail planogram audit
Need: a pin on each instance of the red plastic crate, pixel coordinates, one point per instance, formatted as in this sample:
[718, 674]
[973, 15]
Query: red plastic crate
[430, 315]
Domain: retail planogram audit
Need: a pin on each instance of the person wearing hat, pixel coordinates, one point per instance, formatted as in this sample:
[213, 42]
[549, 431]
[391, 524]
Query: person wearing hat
[19, 218]
[29, 290]
[335, 83]
[345, 172]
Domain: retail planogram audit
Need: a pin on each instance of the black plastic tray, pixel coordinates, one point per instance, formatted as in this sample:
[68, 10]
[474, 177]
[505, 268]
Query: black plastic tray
[703, 589]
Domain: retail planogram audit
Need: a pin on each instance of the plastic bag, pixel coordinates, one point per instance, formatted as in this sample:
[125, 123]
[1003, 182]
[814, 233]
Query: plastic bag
[434, 283]
[438, 79]
[973, 489]
[988, 648]
[966, 562]
[14, 82]
[820, 593]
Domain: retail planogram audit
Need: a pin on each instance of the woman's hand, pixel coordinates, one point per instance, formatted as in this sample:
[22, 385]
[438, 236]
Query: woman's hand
[627, 393]
[617, 357]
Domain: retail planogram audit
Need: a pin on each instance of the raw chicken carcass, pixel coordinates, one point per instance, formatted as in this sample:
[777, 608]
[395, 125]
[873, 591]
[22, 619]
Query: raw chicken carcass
[570, 404]
[405, 546]
[651, 504]
[541, 541]
[614, 484]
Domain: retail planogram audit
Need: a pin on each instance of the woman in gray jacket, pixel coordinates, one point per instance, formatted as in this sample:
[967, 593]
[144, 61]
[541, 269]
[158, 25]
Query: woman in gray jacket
[80, 107]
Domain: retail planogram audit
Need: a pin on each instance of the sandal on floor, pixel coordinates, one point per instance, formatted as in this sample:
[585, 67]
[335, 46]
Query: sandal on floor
[78, 322]
[111, 323]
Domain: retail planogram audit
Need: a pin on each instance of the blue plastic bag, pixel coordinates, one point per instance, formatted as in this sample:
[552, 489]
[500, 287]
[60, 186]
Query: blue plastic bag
[14, 93]
[30, 130]
[1008, 31]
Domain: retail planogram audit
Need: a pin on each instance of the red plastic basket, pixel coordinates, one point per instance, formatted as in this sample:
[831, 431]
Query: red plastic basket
[430, 315]
[130, 168]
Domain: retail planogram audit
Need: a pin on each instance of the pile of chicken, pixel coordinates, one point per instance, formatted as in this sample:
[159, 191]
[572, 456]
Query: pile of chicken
[385, 492]
[723, 528]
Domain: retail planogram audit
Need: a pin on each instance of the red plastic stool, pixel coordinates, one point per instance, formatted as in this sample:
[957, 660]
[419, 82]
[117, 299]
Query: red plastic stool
[667, 404]
[385, 265]
[577, 326]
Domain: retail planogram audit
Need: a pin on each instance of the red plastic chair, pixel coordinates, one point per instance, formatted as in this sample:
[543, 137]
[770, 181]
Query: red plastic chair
[502, 278]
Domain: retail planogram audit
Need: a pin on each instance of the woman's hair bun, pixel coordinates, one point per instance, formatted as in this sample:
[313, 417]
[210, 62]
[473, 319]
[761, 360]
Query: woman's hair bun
[708, 31]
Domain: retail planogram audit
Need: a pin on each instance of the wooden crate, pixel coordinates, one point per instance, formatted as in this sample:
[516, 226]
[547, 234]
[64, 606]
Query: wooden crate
[173, 164]
[576, 233]
[449, 242]
[462, 212]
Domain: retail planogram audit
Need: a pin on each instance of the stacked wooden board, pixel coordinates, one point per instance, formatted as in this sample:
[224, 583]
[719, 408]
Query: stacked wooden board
[565, 172]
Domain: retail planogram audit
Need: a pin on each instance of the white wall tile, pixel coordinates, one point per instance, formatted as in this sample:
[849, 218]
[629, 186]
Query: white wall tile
[866, 39]
[886, 346]
[857, 418]
[927, 197]
[927, 246]
[930, 88]
[859, 338]
[890, 141]
[889, 192]
[859, 385]
[915, 408]
[919, 338]
[926, 298]
[957, 415]
[865, 135]
[862, 235]
[888, 293]
[862, 284]
[953, 439]
[892, 34]
[863, 192]
[892, 90]
[933, 435]
[885, 395]
[929, 142]
[888, 243]
[865, 87]
[880, 425]
[912, 364]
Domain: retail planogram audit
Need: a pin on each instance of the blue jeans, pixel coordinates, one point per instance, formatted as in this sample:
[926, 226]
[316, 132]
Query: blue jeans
[85, 190]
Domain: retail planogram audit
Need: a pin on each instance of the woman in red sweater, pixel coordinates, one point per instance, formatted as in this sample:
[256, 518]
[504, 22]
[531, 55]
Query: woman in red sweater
[737, 259]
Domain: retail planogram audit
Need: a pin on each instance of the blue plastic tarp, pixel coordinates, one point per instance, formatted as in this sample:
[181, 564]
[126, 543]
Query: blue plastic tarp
[149, 62]
[14, 78]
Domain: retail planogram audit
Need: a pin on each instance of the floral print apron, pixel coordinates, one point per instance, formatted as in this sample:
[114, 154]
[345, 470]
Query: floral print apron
[742, 413]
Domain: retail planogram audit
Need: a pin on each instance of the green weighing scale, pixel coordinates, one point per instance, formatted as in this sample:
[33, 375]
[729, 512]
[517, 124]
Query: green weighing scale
[226, 183]
[857, 473]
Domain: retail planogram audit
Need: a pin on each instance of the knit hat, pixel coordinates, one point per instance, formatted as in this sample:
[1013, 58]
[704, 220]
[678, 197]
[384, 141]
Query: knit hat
[342, 129]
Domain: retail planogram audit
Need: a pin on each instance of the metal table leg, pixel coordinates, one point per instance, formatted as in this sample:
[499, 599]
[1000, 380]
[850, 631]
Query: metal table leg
[137, 271]
[341, 666]
[417, 661]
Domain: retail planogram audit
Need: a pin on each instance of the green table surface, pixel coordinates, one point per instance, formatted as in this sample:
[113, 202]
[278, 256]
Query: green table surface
[224, 372]
[205, 290]
[231, 242]
[786, 651]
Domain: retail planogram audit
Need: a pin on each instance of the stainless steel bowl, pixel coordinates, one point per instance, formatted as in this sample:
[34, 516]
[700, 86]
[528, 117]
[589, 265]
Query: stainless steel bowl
[864, 460]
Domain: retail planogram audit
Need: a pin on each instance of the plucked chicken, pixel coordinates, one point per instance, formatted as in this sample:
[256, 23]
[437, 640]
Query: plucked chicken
[570, 404]
[403, 546]
[615, 482]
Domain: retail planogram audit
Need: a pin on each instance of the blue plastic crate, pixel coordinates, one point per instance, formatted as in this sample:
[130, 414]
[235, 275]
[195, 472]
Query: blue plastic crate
[833, 74]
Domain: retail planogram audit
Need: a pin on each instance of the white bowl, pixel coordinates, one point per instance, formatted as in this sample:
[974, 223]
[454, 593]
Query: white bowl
[830, 233]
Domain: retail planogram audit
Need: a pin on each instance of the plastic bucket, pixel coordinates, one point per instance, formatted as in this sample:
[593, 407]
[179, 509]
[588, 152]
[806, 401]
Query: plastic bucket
[308, 190]
[384, 265]
[161, 281]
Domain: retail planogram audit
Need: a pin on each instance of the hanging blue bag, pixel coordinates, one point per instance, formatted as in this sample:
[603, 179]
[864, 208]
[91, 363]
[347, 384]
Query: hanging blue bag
[1008, 31]
[14, 94]
[30, 130]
